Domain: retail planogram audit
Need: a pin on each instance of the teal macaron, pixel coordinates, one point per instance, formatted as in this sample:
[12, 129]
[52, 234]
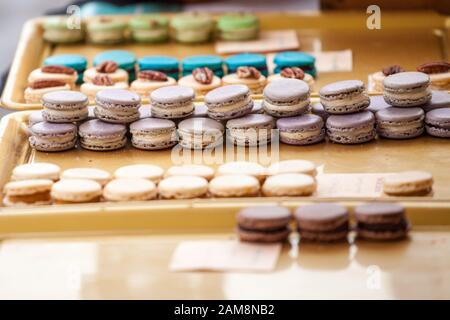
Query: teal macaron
[255, 60]
[215, 63]
[125, 60]
[168, 65]
[295, 59]
[74, 61]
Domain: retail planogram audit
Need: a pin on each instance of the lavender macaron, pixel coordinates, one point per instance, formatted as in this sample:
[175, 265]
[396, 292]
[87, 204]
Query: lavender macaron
[200, 133]
[251, 130]
[407, 89]
[172, 102]
[286, 98]
[65, 106]
[351, 128]
[117, 106]
[400, 123]
[229, 102]
[439, 99]
[98, 135]
[318, 110]
[438, 122]
[51, 137]
[343, 97]
[377, 103]
[153, 134]
[301, 130]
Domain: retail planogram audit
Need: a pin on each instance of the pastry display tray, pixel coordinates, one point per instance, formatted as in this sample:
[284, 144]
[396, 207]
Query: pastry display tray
[337, 166]
[407, 38]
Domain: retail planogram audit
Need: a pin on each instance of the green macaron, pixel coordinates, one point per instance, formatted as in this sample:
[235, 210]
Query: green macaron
[106, 30]
[238, 26]
[192, 27]
[149, 28]
[60, 30]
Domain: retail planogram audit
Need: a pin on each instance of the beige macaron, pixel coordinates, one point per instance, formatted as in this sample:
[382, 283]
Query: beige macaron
[37, 170]
[130, 189]
[99, 175]
[191, 170]
[183, 187]
[408, 183]
[289, 184]
[292, 166]
[76, 191]
[199, 88]
[140, 171]
[27, 192]
[242, 168]
[234, 186]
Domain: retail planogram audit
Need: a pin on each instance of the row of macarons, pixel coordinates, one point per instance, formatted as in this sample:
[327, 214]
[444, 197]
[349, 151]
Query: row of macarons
[187, 27]
[323, 223]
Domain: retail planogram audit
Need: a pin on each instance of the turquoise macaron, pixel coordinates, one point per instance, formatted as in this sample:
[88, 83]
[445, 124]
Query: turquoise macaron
[215, 63]
[295, 59]
[74, 61]
[169, 65]
[125, 59]
[255, 60]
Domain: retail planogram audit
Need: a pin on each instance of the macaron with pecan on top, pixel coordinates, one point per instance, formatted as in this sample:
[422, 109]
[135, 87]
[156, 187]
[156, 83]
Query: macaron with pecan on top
[100, 82]
[379, 76]
[35, 90]
[202, 80]
[249, 76]
[54, 72]
[149, 80]
[109, 68]
[293, 73]
[439, 72]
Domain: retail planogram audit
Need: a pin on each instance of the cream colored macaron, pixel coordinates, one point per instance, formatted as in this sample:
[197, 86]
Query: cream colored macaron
[408, 183]
[191, 170]
[130, 189]
[289, 184]
[76, 191]
[234, 186]
[183, 187]
[99, 175]
[292, 166]
[140, 171]
[242, 168]
[37, 170]
[200, 89]
[27, 192]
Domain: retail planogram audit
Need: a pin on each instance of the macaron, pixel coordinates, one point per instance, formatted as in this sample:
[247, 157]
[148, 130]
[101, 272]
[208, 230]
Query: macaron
[322, 222]
[153, 134]
[40, 77]
[140, 171]
[439, 72]
[248, 76]
[200, 133]
[56, 30]
[36, 170]
[37, 89]
[238, 26]
[125, 60]
[192, 27]
[97, 135]
[65, 106]
[377, 103]
[257, 107]
[172, 102]
[107, 69]
[234, 186]
[265, 224]
[351, 128]
[251, 130]
[200, 111]
[130, 189]
[292, 166]
[148, 81]
[438, 122]
[293, 73]
[379, 76]
[202, 80]
[439, 99]
[27, 192]
[164, 64]
[318, 109]
[149, 28]
[255, 60]
[381, 221]
[214, 63]
[35, 117]
[98, 175]
[301, 130]
[105, 30]
[76, 191]
[74, 61]
[346, 96]
[51, 137]
[145, 111]
[400, 123]
[242, 168]
[228, 102]
[99, 83]
[408, 183]
[289, 184]
[407, 89]
[289, 59]
[117, 106]
[286, 98]
[191, 170]
[183, 187]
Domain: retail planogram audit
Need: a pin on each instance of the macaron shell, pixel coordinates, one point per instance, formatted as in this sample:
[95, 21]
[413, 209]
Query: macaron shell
[191, 170]
[140, 171]
[408, 183]
[27, 187]
[98, 175]
[289, 184]
[264, 217]
[234, 186]
[258, 236]
[321, 217]
[183, 187]
[36, 170]
[76, 190]
[293, 166]
[130, 189]
[242, 168]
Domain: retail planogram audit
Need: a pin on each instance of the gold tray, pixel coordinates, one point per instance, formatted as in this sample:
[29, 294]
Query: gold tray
[409, 38]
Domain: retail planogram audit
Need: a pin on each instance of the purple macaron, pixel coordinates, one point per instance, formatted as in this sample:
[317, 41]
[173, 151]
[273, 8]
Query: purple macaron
[301, 130]
[439, 99]
[251, 130]
[153, 134]
[117, 106]
[51, 137]
[438, 123]
[98, 135]
[318, 110]
[407, 89]
[400, 123]
[343, 97]
[229, 102]
[351, 128]
[286, 98]
[377, 103]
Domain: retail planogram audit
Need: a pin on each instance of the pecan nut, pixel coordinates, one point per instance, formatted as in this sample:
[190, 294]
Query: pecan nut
[390, 70]
[293, 72]
[203, 75]
[47, 83]
[103, 80]
[152, 75]
[58, 69]
[434, 67]
[107, 67]
[248, 73]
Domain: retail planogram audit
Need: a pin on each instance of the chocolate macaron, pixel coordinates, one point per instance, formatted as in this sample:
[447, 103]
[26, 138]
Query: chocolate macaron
[102, 136]
[117, 106]
[438, 122]
[153, 134]
[200, 133]
[172, 102]
[344, 97]
[266, 224]
[381, 221]
[407, 89]
[301, 130]
[50, 137]
[229, 102]
[64, 106]
[400, 123]
[351, 128]
[251, 130]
